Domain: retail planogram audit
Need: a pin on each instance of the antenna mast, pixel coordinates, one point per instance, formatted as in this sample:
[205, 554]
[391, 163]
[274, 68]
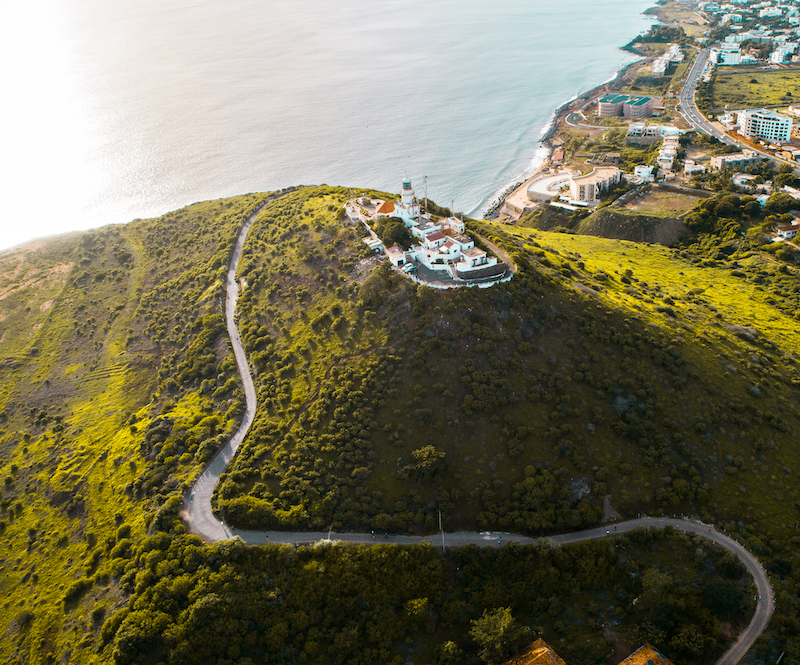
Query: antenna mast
[425, 185]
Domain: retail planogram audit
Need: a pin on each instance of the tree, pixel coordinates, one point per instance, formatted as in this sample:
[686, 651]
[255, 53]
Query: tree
[448, 654]
[428, 461]
[393, 231]
[499, 635]
[780, 202]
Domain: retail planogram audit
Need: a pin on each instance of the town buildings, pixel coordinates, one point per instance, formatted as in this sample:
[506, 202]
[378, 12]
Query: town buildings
[663, 64]
[574, 188]
[640, 133]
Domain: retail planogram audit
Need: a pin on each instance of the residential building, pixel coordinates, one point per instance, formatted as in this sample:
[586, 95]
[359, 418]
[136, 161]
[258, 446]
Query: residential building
[667, 154]
[690, 166]
[787, 232]
[672, 56]
[640, 133]
[588, 188]
[538, 653]
[644, 172]
[765, 124]
[737, 159]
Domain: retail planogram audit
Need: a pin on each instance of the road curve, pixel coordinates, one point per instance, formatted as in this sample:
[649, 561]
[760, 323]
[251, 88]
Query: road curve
[200, 519]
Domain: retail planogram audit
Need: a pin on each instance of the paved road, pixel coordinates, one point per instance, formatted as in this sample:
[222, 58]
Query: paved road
[691, 113]
[200, 520]
[688, 106]
[197, 504]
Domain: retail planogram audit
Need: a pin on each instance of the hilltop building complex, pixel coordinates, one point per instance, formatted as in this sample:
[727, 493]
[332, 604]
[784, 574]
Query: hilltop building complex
[441, 245]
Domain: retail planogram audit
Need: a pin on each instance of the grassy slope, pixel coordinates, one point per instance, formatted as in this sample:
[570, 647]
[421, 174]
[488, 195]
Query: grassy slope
[78, 358]
[699, 306]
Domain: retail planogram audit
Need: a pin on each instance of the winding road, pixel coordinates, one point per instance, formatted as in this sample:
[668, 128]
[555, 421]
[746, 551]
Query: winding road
[200, 519]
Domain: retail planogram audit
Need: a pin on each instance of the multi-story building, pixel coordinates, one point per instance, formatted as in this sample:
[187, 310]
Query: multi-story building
[588, 188]
[737, 159]
[629, 106]
[765, 124]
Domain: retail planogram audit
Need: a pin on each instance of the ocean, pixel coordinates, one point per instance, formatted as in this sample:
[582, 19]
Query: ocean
[125, 109]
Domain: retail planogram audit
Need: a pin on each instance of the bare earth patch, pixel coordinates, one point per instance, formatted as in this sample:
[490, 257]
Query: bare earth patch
[57, 274]
[671, 203]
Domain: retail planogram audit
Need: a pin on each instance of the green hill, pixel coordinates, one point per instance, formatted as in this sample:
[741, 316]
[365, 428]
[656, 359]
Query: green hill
[665, 380]
[598, 370]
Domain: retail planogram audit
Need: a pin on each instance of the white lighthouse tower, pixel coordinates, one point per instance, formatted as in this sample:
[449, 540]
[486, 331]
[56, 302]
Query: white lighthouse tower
[408, 208]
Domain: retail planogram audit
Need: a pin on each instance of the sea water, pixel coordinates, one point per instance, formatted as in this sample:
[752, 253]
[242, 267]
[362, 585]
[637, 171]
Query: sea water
[124, 109]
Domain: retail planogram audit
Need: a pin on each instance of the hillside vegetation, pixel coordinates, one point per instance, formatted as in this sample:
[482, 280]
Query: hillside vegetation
[105, 339]
[605, 372]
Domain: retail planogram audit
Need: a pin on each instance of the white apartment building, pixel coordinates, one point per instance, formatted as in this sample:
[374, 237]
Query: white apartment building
[588, 188]
[765, 124]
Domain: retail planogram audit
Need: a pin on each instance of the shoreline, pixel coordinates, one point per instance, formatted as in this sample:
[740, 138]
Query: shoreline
[490, 212]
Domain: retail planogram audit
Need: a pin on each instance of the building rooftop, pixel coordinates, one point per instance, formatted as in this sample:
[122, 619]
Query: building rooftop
[436, 235]
[386, 207]
[459, 238]
[613, 98]
[616, 98]
[600, 174]
[767, 114]
[473, 251]
[646, 655]
[538, 653]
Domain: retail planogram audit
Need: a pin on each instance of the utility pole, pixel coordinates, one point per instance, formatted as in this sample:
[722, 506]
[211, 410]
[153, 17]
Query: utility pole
[425, 185]
[441, 529]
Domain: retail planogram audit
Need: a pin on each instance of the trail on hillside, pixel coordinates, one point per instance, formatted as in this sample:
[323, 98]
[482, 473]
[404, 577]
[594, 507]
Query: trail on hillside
[200, 519]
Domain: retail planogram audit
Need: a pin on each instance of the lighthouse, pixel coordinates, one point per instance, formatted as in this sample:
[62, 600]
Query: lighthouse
[408, 208]
[407, 193]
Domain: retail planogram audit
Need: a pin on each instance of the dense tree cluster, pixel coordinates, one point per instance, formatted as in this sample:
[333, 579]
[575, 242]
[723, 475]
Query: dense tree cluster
[349, 604]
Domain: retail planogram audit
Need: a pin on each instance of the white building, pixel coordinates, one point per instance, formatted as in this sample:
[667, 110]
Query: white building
[737, 159]
[765, 124]
[667, 154]
[588, 188]
[644, 172]
[671, 55]
[408, 207]
[690, 166]
[783, 51]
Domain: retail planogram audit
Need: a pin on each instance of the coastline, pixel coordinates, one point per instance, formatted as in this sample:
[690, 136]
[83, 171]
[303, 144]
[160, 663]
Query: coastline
[545, 143]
